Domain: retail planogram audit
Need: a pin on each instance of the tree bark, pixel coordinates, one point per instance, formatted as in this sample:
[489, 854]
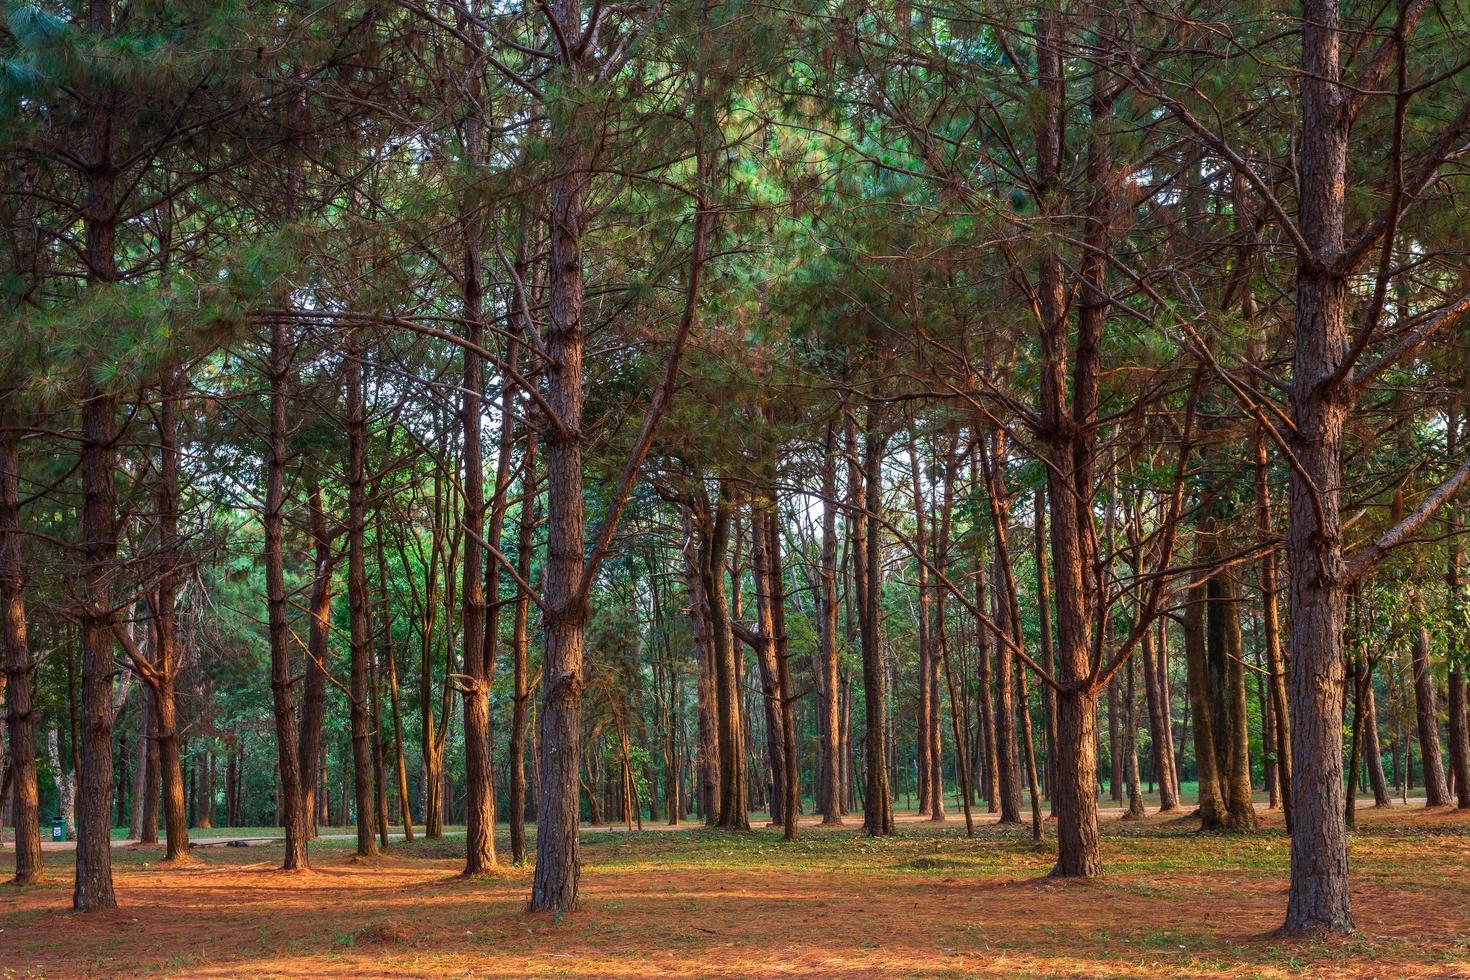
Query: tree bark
[868, 494]
[829, 723]
[558, 846]
[20, 713]
[1317, 572]
[1426, 708]
[314, 688]
[292, 812]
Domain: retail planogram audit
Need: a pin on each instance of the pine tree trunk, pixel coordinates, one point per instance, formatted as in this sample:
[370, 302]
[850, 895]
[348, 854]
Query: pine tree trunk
[1316, 570]
[1426, 708]
[558, 847]
[520, 658]
[877, 801]
[314, 687]
[829, 723]
[20, 713]
[292, 812]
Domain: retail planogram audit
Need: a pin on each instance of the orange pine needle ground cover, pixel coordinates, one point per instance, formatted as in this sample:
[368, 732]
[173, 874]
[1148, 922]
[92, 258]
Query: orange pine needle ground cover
[702, 904]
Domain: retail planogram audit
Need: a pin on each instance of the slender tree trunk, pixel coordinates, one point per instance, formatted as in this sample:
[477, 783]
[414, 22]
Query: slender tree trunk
[830, 802]
[791, 772]
[1130, 743]
[1048, 657]
[314, 687]
[292, 812]
[475, 677]
[1426, 708]
[20, 713]
[733, 808]
[924, 650]
[1206, 756]
[1227, 671]
[877, 802]
[357, 602]
[520, 656]
[1158, 726]
[1271, 628]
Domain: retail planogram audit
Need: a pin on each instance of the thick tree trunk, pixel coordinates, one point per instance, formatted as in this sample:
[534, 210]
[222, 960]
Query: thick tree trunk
[558, 847]
[1317, 572]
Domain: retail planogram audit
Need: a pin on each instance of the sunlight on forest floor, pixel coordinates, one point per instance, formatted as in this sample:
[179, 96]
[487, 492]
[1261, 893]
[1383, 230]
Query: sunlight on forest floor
[926, 904]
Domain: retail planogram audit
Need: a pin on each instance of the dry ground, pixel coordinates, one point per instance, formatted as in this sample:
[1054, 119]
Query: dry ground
[702, 904]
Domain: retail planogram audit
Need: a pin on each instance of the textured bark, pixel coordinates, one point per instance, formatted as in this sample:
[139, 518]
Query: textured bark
[290, 803]
[395, 706]
[520, 643]
[770, 649]
[1317, 573]
[1212, 807]
[1005, 612]
[93, 885]
[1130, 743]
[1459, 731]
[708, 745]
[1374, 749]
[791, 771]
[829, 724]
[314, 686]
[923, 729]
[1160, 735]
[93, 882]
[1048, 655]
[867, 493]
[1271, 628]
[558, 847]
[1426, 711]
[165, 667]
[1228, 701]
[474, 677]
[729, 727]
[20, 713]
[1066, 433]
[360, 635]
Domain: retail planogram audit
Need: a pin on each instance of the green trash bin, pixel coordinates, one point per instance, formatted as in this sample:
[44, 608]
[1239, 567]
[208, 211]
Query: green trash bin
[58, 828]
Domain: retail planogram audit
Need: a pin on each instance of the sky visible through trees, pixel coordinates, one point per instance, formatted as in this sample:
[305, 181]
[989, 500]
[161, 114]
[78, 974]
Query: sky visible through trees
[429, 417]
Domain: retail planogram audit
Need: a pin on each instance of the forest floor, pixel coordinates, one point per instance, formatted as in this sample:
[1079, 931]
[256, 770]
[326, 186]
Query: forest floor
[928, 903]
